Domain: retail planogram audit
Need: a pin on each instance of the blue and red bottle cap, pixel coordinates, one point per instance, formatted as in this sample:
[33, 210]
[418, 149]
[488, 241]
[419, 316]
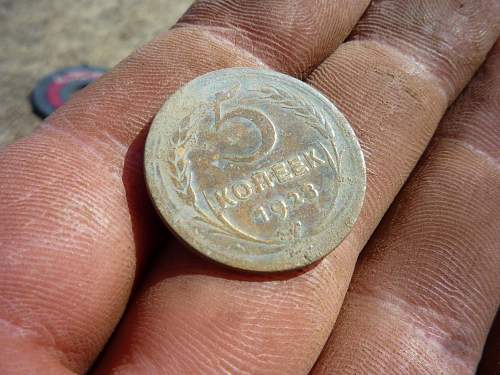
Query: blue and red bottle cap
[53, 90]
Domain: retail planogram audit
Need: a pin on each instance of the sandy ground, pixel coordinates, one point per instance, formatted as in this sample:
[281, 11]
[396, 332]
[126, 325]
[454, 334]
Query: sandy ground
[39, 36]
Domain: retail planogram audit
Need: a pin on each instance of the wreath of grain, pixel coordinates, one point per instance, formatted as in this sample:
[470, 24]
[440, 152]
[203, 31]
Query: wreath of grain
[304, 109]
[178, 167]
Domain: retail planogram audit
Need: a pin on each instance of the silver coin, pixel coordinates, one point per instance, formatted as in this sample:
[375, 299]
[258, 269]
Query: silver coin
[255, 169]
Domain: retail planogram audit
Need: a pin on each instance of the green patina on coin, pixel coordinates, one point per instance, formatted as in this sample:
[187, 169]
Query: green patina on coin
[255, 169]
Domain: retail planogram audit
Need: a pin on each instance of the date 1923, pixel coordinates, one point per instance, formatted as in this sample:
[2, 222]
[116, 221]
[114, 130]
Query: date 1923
[281, 207]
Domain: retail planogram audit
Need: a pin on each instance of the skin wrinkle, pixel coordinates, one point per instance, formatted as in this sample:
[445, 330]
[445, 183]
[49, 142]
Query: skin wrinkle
[407, 314]
[422, 29]
[15, 330]
[98, 152]
[226, 35]
[485, 156]
[43, 342]
[101, 154]
[15, 333]
[390, 305]
[475, 122]
[43, 359]
[409, 64]
[303, 19]
[66, 210]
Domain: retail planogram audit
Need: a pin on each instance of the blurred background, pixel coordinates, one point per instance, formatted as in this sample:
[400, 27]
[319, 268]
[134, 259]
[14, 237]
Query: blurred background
[38, 37]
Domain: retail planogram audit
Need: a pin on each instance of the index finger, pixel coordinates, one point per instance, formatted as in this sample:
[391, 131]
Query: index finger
[75, 219]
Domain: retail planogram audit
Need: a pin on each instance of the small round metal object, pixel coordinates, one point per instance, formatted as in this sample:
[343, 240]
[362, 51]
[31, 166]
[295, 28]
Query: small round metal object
[255, 170]
[53, 90]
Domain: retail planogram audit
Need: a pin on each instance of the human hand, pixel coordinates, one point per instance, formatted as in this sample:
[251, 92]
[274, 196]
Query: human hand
[78, 232]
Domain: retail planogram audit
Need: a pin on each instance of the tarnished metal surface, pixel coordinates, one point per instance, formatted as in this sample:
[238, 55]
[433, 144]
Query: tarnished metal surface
[255, 169]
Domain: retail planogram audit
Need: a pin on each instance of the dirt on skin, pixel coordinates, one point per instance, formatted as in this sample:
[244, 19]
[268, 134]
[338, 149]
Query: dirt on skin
[40, 36]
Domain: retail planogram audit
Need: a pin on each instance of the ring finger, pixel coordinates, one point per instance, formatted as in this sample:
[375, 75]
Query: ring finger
[427, 286]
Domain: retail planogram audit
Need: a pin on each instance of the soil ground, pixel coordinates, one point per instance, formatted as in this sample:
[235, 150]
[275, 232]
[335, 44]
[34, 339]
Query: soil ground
[40, 36]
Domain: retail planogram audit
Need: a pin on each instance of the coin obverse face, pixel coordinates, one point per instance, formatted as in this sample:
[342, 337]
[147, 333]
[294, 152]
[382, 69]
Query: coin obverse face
[255, 169]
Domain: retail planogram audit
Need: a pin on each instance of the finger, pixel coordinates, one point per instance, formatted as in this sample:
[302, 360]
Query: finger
[490, 362]
[427, 287]
[75, 221]
[194, 317]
